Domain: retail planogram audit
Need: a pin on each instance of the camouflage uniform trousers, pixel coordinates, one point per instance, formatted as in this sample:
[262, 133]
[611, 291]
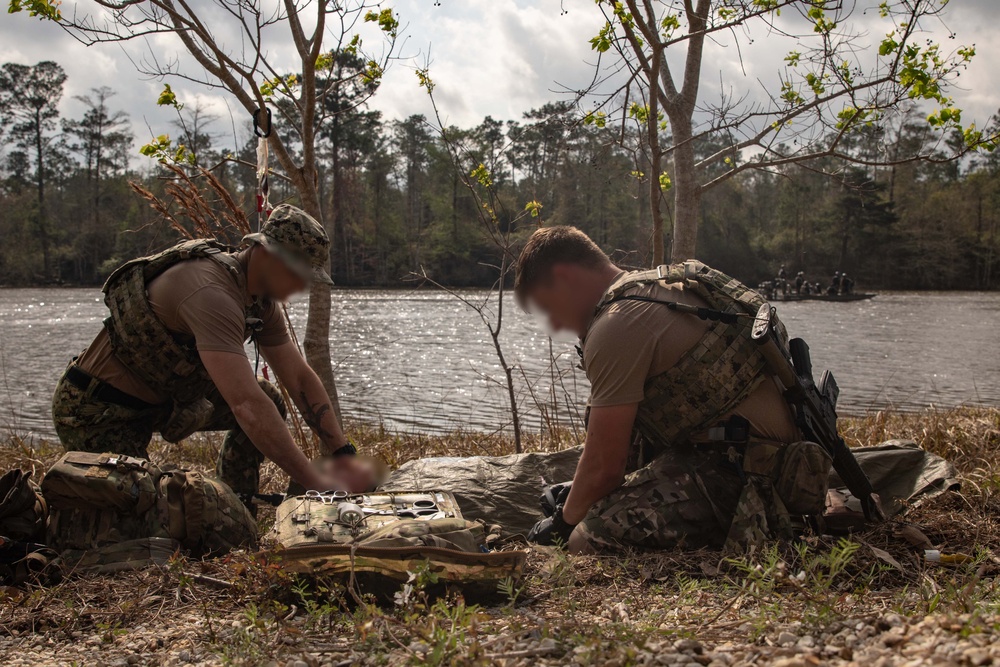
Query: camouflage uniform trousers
[87, 424]
[684, 498]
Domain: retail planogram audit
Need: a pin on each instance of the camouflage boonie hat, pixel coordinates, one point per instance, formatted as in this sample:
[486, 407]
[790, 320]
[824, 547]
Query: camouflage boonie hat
[300, 241]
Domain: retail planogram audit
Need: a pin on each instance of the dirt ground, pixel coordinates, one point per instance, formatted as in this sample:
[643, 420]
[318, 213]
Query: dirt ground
[872, 600]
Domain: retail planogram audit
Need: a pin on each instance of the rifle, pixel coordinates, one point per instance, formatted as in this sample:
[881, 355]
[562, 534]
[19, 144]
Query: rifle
[815, 407]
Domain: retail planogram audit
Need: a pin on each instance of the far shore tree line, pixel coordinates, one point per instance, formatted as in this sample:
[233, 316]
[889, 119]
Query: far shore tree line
[395, 205]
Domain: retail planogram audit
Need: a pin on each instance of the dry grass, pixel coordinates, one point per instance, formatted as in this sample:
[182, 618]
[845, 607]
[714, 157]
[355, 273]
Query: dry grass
[240, 610]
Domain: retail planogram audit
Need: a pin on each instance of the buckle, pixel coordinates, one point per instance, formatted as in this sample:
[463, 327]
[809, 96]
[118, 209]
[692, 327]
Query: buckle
[660, 271]
[127, 462]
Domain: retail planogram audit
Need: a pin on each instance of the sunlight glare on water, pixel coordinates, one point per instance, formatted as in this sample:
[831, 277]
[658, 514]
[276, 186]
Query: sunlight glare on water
[423, 361]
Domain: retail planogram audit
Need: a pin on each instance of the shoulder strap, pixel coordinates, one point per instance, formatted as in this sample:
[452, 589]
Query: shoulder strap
[154, 265]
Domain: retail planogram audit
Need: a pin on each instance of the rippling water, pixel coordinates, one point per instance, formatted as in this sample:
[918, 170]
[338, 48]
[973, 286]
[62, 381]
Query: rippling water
[421, 360]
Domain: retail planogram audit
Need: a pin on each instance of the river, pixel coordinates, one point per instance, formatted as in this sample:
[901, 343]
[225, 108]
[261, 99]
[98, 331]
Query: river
[423, 361]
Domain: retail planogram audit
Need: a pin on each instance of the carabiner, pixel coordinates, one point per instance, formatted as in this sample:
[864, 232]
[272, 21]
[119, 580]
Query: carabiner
[257, 130]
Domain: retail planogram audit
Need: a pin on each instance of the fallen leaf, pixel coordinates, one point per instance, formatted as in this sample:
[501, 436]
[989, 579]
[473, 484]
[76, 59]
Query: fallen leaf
[914, 536]
[886, 557]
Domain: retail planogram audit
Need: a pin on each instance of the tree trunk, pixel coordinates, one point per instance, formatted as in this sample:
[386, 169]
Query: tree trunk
[687, 192]
[42, 223]
[316, 344]
[655, 157]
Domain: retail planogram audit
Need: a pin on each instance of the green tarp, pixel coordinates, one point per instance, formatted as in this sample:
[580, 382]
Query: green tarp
[505, 489]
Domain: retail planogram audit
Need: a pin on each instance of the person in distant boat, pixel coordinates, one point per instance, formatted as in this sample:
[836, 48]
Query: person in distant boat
[171, 360]
[800, 280]
[846, 284]
[782, 273]
[834, 288]
[713, 424]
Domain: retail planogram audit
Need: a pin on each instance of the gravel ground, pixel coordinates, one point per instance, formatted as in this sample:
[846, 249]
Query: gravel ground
[869, 642]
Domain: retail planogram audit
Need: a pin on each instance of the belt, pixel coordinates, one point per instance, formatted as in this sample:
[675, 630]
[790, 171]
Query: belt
[103, 391]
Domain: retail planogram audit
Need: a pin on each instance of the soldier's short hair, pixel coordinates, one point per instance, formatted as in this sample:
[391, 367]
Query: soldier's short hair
[548, 246]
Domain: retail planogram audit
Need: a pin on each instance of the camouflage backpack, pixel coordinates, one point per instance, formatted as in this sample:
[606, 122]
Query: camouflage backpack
[100, 501]
[379, 539]
[22, 508]
[23, 517]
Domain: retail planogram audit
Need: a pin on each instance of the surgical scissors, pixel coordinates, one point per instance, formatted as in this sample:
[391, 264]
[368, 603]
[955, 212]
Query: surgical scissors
[327, 497]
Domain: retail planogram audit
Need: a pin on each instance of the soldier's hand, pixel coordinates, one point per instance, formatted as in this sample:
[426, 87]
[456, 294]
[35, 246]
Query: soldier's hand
[551, 530]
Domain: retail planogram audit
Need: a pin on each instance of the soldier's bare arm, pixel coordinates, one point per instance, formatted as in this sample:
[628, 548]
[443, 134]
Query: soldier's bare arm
[307, 391]
[258, 416]
[605, 454]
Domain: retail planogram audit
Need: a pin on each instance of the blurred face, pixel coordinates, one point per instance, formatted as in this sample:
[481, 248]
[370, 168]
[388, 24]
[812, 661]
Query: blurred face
[357, 474]
[562, 302]
[279, 281]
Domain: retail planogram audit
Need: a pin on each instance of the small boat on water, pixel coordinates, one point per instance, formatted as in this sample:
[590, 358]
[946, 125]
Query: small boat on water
[853, 296]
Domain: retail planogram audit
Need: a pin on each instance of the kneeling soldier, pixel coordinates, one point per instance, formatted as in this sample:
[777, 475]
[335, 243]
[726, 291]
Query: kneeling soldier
[717, 457]
[171, 360]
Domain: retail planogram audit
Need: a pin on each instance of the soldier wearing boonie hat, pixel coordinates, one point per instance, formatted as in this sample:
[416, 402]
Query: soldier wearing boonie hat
[300, 242]
[171, 358]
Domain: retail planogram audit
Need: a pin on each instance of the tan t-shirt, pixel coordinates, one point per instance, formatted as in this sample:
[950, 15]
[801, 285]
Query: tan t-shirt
[634, 341]
[197, 299]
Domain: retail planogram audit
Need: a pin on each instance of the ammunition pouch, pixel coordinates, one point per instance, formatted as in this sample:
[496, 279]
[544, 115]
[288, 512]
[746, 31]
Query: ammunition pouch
[203, 514]
[798, 472]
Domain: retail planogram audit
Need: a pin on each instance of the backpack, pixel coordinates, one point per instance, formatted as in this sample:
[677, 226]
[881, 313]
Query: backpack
[22, 508]
[97, 501]
[378, 540]
[23, 517]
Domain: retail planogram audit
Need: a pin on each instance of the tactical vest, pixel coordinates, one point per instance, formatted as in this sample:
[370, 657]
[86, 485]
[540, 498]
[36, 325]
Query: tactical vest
[711, 378]
[159, 357]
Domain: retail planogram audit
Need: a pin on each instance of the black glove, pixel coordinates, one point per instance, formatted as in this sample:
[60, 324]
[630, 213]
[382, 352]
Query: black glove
[554, 496]
[551, 529]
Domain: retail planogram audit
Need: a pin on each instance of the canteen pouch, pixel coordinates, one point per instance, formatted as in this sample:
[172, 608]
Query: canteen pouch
[803, 478]
[203, 514]
[84, 480]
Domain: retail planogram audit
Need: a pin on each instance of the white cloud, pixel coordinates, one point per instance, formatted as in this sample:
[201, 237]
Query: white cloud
[488, 57]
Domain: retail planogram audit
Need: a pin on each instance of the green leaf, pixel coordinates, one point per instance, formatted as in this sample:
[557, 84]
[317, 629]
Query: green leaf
[372, 73]
[669, 25]
[45, 9]
[598, 119]
[424, 77]
[602, 42]
[324, 61]
[168, 98]
[387, 22]
[482, 175]
[639, 111]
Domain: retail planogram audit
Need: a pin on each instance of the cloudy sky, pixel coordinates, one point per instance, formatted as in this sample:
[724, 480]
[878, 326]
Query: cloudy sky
[495, 57]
